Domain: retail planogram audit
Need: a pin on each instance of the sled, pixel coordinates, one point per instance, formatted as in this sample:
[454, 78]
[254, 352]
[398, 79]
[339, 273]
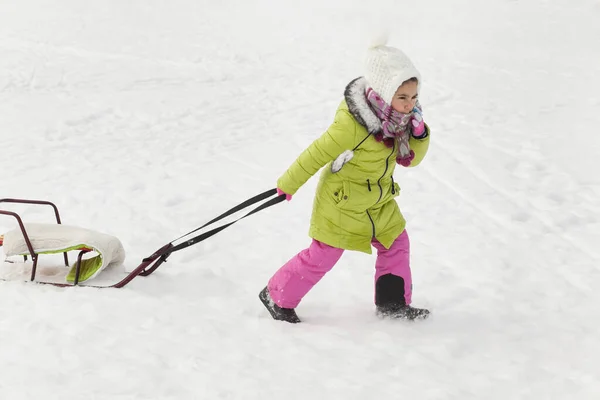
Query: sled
[34, 239]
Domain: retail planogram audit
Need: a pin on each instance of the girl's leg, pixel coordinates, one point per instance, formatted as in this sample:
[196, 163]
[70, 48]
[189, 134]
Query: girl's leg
[295, 278]
[393, 280]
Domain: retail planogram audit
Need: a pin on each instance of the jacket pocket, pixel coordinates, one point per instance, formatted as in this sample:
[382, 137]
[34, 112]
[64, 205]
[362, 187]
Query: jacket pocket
[342, 195]
[395, 190]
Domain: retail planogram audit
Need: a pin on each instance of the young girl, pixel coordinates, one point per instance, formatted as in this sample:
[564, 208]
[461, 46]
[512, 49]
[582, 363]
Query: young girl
[377, 126]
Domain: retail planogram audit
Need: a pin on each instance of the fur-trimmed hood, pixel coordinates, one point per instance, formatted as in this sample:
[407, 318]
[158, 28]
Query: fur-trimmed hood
[359, 106]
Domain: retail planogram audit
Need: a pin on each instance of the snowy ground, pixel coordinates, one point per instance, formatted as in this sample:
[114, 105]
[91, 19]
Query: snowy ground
[144, 119]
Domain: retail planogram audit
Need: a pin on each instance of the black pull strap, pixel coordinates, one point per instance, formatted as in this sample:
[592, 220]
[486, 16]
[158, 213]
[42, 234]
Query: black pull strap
[212, 232]
[239, 207]
[166, 252]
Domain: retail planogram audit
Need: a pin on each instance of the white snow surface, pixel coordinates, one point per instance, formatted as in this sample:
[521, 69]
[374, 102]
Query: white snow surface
[145, 119]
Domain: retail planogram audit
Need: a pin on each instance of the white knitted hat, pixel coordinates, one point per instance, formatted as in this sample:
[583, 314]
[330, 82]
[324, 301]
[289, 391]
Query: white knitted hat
[386, 69]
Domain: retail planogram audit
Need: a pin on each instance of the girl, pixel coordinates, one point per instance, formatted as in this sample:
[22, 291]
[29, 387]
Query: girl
[377, 126]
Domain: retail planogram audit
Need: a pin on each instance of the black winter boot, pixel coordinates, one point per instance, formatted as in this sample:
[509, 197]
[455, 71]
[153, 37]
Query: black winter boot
[278, 313]
[390, 301]
[394, 311]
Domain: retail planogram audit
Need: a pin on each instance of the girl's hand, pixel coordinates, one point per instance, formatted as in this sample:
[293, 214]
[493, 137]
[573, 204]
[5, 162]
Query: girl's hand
[280, 192]
[417, 124]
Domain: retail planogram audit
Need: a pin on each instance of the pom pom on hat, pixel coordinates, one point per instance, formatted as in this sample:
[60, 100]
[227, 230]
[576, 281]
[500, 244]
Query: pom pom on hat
[380, 39]
[386, 68]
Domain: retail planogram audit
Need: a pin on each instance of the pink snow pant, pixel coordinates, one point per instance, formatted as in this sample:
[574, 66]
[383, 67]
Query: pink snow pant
[296, 277]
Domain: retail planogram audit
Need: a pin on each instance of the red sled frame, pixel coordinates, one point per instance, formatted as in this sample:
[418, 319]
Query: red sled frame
[148, 265]
[151, 263]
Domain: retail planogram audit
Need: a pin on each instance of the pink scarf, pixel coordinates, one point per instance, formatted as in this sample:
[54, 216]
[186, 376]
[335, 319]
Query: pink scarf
[395, 127]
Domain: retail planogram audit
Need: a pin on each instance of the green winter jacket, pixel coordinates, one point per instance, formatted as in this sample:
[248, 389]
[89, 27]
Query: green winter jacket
[356, 204]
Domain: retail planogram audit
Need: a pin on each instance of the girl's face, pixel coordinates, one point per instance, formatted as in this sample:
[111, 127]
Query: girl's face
[405, 98]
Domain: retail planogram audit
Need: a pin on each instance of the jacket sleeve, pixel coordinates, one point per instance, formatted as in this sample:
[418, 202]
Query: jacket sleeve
[339, 137]
[420, 147]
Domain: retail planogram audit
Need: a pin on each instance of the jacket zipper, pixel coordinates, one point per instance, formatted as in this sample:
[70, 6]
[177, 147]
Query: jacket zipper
[384, 172]
[381, 188]
[372, 223]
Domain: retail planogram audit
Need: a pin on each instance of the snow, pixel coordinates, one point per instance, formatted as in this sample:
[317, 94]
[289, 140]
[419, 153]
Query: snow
[145, 119]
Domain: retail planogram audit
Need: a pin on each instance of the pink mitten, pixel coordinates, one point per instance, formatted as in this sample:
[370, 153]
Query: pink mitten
[416, 121]
[288, 197]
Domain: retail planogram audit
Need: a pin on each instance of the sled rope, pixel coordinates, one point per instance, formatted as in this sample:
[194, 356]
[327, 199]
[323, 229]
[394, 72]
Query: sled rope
[166, 252]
